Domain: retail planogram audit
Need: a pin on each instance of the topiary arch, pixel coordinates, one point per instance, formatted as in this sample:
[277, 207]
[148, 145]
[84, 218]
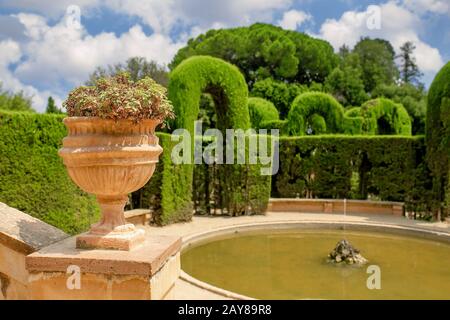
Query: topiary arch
[227, 87]
[384, 116]
[203, 74]
[438, 135]
[315, 109]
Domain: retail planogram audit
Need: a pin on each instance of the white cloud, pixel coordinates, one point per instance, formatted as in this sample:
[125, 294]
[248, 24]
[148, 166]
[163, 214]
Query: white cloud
[422, 6]
[10, 53]
[71, 54]
[398, 25]
[56, 57]
[161, 16]
[51, 8]
[35, 26]
[165, 15]
[293, 19]
[60, 56]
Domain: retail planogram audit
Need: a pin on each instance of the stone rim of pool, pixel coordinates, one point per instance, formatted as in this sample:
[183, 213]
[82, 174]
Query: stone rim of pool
[244, 229]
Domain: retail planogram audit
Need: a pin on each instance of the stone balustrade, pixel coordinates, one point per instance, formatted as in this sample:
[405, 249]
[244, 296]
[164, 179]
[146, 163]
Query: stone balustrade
[38, 261]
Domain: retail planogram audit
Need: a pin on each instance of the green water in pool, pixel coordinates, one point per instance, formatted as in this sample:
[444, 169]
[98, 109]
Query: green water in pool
[293, 265]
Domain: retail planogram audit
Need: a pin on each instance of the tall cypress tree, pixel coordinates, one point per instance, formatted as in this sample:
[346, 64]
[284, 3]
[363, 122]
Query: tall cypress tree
[51, 106]
[409, 71]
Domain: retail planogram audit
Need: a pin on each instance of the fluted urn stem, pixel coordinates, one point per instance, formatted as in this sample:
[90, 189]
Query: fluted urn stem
[113, 217]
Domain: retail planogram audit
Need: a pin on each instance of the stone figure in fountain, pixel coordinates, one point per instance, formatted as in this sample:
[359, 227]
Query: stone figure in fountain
[345, 252]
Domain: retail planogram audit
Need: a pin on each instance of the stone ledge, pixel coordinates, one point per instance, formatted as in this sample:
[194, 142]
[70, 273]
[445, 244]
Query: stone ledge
[335, 206]
[25, 234]
[138, 216]
[145, 260]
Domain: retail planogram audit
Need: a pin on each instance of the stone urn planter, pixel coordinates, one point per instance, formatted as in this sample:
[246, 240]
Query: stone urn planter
[112, 150]
[110, 159]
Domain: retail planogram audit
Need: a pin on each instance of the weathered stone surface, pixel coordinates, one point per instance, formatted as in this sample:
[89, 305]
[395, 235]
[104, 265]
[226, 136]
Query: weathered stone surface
[11, 289]
[138, 216]
[12, 264]
[345, 252]
[144, 260]
[108, 284]
[21, 232]
[335, 206]
[163, 281]
[115, 241]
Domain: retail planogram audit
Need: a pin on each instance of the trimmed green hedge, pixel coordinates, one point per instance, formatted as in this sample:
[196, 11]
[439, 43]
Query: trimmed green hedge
[168, 193]
[275, 124]
[354, 167]
[353, 125]
[212, 191]
[438, 136]
[261, 110]
[33, 178]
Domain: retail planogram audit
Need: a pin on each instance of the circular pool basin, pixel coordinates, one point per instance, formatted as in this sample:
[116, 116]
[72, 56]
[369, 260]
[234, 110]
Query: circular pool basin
[291, 263]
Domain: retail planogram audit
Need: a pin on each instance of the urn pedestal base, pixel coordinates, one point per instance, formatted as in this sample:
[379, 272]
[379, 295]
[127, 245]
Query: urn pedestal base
[112, 232]
[113, 241]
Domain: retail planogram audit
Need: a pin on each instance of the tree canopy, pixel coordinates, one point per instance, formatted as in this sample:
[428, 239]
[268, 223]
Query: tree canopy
[265, 51]
[136, 67]
[346, 85]
[281, 94]
[377, 61]
[14, 101]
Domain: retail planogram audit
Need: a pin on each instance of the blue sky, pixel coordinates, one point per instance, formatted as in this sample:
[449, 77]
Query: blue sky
[45, 51]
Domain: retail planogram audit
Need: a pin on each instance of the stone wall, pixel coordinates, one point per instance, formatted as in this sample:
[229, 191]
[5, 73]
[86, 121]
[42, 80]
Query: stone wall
[35, 259]
[336, 206]
[20, 235]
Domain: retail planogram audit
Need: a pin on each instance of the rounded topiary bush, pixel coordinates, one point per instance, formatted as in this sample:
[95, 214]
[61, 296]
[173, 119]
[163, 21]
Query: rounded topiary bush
[437, 110]
[384, 116]
[438, 133]
[261, 110]
[306, 105]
